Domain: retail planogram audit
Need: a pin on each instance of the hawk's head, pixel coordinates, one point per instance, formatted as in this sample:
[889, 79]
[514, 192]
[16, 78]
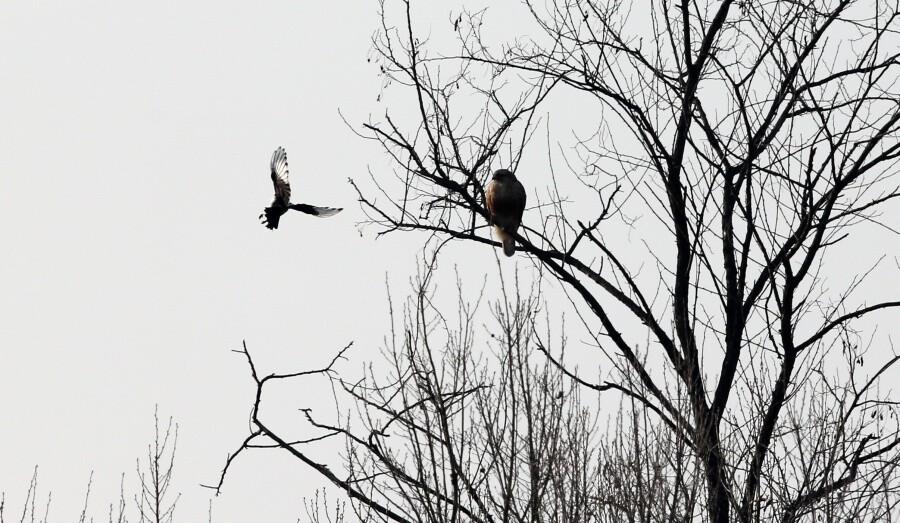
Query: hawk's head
[503, 174]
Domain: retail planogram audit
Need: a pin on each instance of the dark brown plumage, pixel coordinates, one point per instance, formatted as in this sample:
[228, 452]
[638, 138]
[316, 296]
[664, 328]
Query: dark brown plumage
[505, 199]
[282, 201]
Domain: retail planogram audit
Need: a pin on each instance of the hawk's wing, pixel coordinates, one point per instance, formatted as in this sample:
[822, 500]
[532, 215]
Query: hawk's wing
[279, 167]
[518, 200]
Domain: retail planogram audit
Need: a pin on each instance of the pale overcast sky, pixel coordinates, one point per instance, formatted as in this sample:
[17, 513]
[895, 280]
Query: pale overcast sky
[134, 152]
[134, 158]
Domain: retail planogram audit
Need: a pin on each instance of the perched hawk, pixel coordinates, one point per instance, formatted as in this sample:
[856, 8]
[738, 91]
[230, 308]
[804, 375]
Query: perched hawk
[505, 200]
[282, 201]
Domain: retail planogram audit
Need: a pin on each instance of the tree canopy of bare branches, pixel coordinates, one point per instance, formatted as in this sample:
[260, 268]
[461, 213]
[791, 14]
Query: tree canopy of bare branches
[751, 138]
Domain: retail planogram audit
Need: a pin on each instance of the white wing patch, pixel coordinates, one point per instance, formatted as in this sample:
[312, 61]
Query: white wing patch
[325, 212]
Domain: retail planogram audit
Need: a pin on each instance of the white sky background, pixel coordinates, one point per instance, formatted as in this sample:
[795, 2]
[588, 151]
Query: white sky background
[134, 158]
[134, 150]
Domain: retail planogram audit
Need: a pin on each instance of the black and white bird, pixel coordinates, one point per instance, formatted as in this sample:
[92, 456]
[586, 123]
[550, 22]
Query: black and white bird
[282, 201]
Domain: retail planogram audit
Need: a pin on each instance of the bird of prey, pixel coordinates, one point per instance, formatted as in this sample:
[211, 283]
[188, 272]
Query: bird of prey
[505, 200]
[282, 201]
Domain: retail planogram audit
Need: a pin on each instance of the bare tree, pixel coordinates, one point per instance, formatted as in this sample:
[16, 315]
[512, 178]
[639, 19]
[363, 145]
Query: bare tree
[152, 504]
[751, 138]
[29, 506]
[446, 431]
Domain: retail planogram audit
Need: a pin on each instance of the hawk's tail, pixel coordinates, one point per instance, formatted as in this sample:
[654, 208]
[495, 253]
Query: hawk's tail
[509, 244]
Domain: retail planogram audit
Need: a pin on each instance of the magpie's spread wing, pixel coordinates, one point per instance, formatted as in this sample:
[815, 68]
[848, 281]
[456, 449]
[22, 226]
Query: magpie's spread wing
[279, 167]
